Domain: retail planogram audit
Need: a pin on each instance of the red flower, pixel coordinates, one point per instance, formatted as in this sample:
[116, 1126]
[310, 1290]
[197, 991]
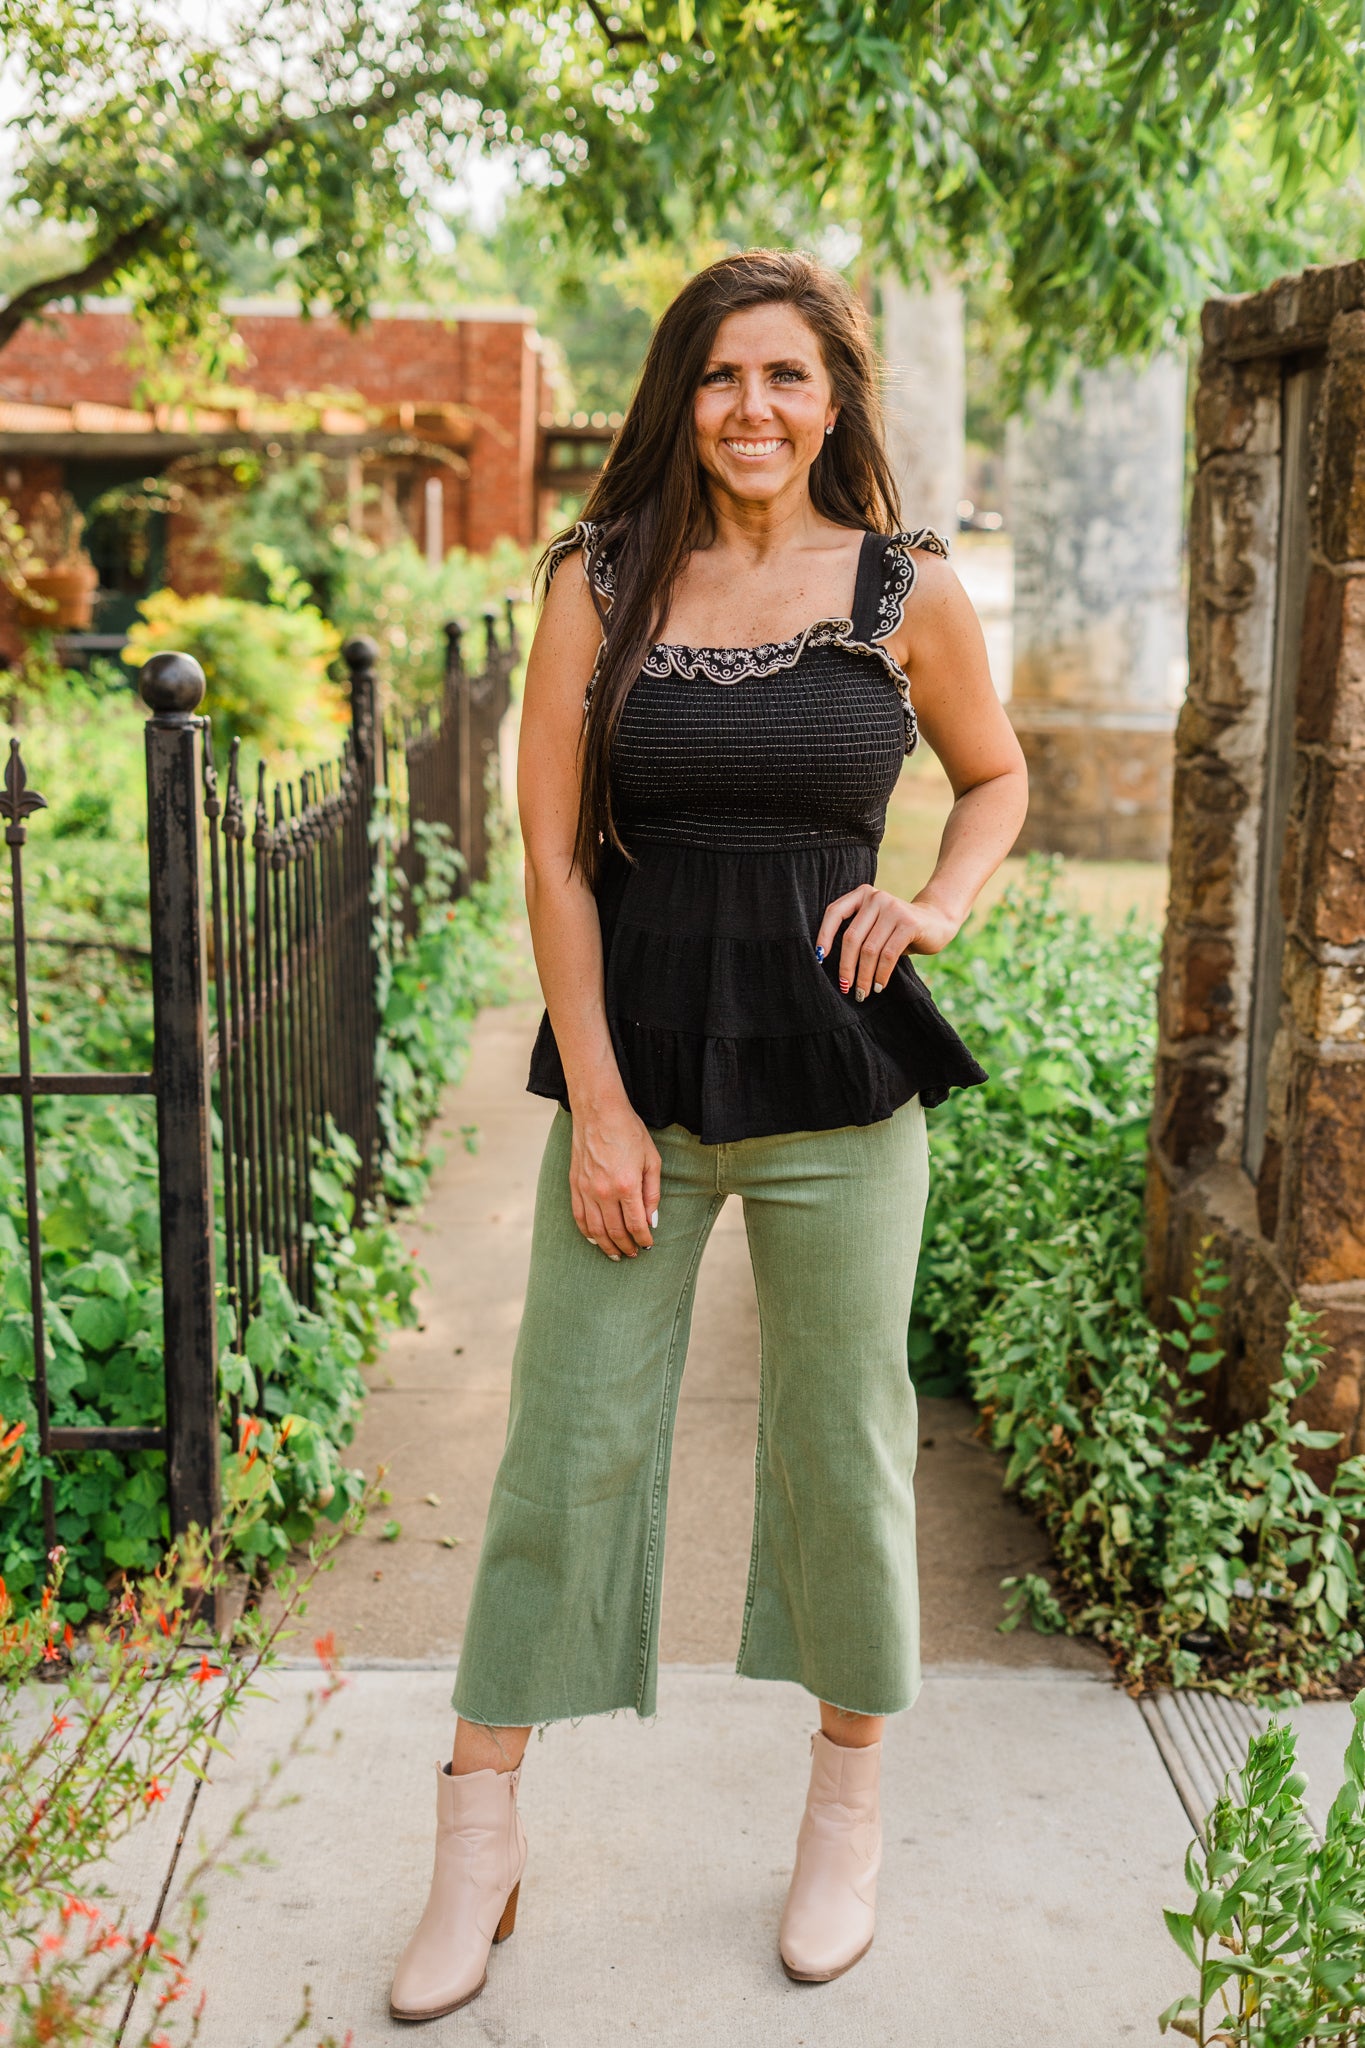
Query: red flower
[68, 1637]
[206, 1671]
[326, 1648]
[60, 1723]
[156, 1790]
[51, 1654]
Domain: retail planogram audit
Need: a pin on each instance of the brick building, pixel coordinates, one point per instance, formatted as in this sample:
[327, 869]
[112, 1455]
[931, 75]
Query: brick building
[432, 417]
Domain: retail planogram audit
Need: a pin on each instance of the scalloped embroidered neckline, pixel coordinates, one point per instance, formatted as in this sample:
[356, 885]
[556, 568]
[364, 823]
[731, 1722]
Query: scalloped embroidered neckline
[842, 625]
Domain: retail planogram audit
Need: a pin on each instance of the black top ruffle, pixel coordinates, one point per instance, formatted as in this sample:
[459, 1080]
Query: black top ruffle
[750, 786]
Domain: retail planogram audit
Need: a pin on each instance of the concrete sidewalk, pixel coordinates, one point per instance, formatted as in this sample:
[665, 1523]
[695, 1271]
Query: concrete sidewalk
[1033, 1828]
[1032, 1839]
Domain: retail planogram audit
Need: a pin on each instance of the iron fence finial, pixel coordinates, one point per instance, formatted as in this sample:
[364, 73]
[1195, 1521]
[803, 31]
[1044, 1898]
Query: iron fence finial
[19, 801]
[171, 684]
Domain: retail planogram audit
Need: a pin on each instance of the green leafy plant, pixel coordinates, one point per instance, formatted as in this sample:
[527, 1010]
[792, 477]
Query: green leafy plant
[1277, 1928]
[403, 601]
[1194, 1558]
[291, 1368]
[431, 987]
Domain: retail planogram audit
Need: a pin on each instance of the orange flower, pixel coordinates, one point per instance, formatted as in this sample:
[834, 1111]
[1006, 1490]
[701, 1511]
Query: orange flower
[60, 1723]
[326, 1649]
[156, 1790]
[285, 1428]
[51, 1654]
[206, 1671]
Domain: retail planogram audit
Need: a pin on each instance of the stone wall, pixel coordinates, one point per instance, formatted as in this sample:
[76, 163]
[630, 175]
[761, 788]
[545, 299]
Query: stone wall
[1258, 1136]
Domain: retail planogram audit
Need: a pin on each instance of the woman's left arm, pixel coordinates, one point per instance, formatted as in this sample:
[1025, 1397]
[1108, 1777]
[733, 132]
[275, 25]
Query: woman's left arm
[940, 646]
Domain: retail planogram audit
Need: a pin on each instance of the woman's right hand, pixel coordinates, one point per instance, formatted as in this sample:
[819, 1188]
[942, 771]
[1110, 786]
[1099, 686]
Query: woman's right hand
[614, 1176]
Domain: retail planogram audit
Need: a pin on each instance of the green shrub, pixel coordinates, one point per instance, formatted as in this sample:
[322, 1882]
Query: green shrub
[1192, 1559]
[266, 665]
[401, 601]
[1277, 1927]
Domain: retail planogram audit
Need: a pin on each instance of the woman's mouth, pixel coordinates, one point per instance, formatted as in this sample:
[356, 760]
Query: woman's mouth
[754, 451]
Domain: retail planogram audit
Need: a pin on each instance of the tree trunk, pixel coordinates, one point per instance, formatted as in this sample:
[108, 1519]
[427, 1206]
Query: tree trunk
[1096, 488]
[922, 342]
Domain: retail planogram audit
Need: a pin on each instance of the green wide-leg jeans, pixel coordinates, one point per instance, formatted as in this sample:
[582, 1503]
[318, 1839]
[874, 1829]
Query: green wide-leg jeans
[564, 1619]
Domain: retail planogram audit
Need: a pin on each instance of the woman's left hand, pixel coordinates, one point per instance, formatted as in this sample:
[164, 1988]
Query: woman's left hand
[880, 928]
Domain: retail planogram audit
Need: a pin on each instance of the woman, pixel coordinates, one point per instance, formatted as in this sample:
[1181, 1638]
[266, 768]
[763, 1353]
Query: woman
[736, 650]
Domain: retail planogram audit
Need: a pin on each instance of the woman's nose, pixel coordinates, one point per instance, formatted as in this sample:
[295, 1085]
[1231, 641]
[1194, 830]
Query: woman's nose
[753, 397]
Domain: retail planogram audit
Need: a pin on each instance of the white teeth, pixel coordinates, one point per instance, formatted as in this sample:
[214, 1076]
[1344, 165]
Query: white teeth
[755, 447]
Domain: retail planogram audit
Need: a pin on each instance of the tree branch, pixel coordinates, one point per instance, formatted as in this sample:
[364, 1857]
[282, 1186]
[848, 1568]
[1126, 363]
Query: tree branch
[88, 277]
[615, 37]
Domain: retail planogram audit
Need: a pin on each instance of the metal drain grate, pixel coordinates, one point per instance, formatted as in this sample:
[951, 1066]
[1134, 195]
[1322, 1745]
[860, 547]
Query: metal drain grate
[1202, 1738]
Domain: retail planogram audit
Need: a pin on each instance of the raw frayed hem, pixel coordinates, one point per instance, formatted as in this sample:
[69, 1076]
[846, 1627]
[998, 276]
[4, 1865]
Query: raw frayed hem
[539, 1727]
[866, 1713]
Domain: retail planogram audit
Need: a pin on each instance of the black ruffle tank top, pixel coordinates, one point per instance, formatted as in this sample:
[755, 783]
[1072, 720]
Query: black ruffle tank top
[750, 785]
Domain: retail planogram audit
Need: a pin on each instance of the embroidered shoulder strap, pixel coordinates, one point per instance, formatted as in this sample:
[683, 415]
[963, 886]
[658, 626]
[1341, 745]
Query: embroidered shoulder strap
[597, 564]
[898, 575]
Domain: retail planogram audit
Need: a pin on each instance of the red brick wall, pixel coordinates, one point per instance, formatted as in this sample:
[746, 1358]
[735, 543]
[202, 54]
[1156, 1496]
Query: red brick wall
[491, 367]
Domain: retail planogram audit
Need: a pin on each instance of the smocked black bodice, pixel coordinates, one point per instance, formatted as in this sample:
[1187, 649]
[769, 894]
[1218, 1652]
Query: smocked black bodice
[750, 786]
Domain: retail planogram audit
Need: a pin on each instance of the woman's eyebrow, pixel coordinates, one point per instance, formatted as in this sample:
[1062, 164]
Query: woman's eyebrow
[783, 363]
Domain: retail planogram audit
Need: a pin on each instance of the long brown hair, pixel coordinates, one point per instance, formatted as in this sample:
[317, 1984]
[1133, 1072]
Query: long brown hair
[650, 502]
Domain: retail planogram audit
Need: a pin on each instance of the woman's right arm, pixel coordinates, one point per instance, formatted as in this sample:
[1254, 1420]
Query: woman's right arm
[614, 1167]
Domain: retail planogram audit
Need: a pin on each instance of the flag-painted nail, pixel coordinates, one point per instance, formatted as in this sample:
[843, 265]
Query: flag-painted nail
[844, 986]
[819, 952]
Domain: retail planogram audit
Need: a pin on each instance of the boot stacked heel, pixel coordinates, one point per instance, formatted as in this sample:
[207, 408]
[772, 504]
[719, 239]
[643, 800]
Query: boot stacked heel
[831, 1912]
[475, 1885]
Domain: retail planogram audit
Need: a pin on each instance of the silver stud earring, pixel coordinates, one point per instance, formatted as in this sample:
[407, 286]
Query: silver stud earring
[830, 428]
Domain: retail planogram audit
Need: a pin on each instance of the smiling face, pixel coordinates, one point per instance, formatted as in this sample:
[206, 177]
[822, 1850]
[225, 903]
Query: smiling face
[763, 404]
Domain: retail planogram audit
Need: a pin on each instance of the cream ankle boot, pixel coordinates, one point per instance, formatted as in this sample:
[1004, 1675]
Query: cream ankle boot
[830, 1914]
[480, 1855]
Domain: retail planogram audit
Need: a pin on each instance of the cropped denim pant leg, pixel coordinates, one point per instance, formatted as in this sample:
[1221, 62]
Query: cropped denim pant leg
[564, 1620]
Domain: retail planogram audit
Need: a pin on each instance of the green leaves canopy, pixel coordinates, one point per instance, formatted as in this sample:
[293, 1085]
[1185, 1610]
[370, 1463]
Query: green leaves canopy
[1108, 164]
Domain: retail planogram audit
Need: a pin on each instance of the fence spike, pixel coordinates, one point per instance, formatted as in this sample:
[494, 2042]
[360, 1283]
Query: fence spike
[234, 822]
[19, 801]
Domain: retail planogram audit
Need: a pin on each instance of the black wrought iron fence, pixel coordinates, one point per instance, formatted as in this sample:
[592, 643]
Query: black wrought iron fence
[263, 910]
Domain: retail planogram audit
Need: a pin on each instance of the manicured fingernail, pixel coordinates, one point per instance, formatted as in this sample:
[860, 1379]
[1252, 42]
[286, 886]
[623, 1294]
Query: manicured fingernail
[615, 1258]
[877, 987]
[844, 986]
[860, 995]
[819, 952]
[653, 1219]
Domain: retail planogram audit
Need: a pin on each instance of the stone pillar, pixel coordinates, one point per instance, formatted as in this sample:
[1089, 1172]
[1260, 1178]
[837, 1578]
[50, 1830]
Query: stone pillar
[1096, 474]
[1258, 1129]
[926, 399]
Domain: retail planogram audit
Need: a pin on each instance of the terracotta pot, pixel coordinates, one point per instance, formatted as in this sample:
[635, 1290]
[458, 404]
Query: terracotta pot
[71, 590]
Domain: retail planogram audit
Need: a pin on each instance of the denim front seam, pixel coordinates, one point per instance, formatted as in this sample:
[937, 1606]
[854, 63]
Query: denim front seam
[667, 1411]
